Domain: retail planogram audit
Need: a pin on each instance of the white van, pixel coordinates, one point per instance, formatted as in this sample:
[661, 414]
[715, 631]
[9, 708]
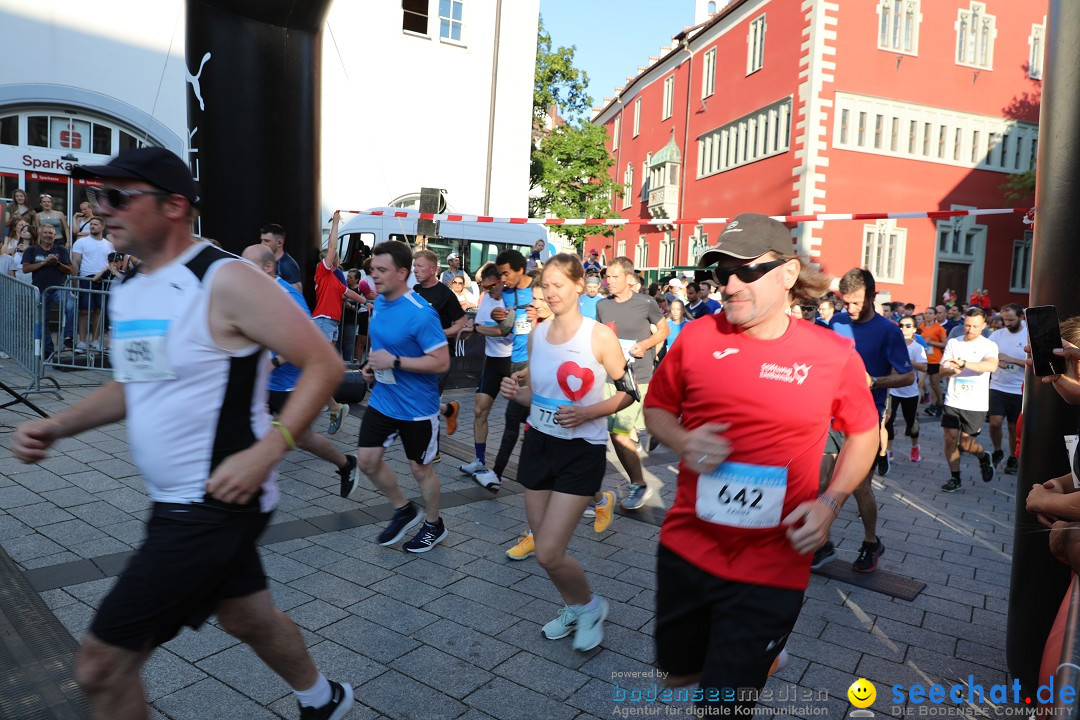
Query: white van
[476, 243]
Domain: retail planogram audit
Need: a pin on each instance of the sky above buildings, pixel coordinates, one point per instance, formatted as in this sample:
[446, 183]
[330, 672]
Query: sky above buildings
[614, 37]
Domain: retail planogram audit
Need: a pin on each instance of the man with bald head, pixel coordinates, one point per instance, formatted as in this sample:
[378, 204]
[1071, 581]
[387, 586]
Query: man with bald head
[285, 375]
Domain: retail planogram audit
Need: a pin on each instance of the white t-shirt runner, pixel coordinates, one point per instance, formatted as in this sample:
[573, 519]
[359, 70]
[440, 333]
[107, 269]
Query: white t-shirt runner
[917, 353]
[969, 390]
[1009, 377]
[493, 346]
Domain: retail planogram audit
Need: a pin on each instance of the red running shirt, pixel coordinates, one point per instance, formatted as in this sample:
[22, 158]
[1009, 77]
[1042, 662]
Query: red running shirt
[778, 395]
[328, 293]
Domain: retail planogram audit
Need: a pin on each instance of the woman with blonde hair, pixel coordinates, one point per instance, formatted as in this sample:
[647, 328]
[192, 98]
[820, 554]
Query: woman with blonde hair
[563, 458]
[19, 207]
[48, 216]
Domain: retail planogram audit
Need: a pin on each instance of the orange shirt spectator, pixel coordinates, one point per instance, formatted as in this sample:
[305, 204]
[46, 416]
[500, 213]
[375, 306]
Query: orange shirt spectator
[933, 332]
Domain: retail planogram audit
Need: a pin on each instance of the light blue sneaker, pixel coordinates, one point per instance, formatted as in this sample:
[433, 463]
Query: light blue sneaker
[561, 626]
[636, 495]
[590, 626]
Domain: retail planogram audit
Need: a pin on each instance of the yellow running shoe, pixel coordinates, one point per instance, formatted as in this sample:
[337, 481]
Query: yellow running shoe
[525, 548]
[605, 513]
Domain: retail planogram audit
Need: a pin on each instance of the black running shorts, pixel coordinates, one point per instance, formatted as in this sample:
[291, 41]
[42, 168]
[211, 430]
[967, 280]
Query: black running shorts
[420, 438]
[573, 467]
[729, 632]
[491, 375]
[1005, 404]
[193, 556]
[969, 422]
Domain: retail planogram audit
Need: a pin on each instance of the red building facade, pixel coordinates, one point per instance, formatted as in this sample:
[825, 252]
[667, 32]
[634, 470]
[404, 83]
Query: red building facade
[790, 107]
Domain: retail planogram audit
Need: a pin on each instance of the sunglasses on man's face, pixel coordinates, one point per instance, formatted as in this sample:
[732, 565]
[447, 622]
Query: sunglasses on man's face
[116, 198]
[747, 273]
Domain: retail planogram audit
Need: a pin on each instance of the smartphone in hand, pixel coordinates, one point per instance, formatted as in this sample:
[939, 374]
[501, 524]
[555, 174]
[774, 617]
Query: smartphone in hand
[1044, 336]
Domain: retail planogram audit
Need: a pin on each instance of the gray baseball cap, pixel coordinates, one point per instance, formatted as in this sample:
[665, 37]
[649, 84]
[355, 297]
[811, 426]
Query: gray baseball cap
[748, 236]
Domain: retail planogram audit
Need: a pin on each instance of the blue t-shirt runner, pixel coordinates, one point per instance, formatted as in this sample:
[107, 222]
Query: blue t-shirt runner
[880, 344]
[406, 327]
[519, 299]
[284, 378]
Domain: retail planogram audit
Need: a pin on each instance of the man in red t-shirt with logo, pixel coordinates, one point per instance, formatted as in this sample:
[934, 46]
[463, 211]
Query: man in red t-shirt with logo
[745, 398]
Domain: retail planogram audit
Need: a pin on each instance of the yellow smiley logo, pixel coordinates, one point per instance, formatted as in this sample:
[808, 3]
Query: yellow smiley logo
[862, 693]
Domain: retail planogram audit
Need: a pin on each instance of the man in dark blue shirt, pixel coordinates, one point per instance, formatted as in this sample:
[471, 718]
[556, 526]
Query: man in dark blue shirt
[881, 345]
[698, 303]
[50, 265]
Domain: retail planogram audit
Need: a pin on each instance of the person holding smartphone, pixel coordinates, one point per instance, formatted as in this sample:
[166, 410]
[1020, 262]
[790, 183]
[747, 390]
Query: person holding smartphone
[967, 363]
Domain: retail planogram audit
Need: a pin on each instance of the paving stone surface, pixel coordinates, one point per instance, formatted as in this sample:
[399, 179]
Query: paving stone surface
[456, 633]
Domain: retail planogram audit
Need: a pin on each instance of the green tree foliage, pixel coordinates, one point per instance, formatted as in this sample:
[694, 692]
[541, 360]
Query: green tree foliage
[569, 163]
[1020, 186]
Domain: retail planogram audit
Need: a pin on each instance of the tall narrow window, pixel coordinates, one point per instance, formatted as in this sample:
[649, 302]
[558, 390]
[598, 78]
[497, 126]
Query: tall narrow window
[450, 19]
[844, 117]
[913, 134]
[708, 74]
[883, 250]
[637, 117]
[894, 136]
[628, 186]
[669, 97]
[615, 132]
[755, 45]
[1035, 57]
[878, 121]
[414, 16]
[926, 139]
[975, 146]
[1021, 264]
[862, 129]
[958, 140]
[898, 27]
[941, 142]
[975, 33]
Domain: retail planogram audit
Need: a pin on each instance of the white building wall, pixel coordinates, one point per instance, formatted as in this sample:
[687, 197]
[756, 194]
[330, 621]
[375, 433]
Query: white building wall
[399, 111]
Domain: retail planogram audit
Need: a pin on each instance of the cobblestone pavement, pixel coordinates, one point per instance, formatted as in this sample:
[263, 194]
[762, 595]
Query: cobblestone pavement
[456, 633]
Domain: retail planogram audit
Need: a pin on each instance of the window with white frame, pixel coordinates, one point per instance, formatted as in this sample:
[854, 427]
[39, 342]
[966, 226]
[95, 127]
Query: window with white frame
[1021, 264]
[883, 250]
[899, 26]
[615, 132]
[755, 45]
[450, 19]
[975, 33]
[646, 178]
[641, 252]
[874, 125]
[960, 238]
[699, 243]
[628, 186]
[708, 74]
[637, 117]
[1035, 57]
[667, 251]
[669, 97]
[761, 134]
[620, 248]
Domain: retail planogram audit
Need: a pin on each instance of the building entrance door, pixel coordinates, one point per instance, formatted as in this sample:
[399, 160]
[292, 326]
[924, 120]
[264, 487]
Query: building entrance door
[952, 276]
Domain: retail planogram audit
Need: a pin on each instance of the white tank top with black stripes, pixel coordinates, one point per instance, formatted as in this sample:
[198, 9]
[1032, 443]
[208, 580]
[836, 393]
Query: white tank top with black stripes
[566, 374]
[190, 404]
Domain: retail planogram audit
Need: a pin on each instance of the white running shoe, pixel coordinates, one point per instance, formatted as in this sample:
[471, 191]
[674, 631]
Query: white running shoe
[472, 468]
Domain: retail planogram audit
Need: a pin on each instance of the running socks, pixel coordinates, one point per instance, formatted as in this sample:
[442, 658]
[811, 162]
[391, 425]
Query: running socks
[481, 448]
[315, 696]
[603, 500]
[956, 476]
[591, 605]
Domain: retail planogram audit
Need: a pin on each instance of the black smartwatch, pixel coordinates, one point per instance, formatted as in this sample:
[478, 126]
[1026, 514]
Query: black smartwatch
[275, 362]
[397, 362]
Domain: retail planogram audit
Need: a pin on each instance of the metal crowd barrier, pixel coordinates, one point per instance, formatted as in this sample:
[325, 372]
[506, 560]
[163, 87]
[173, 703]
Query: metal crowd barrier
[81, 334]
[18, 338]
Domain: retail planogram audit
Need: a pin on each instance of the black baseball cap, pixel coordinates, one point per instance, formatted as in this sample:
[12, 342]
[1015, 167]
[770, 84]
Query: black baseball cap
[157, 166]
[748, 236]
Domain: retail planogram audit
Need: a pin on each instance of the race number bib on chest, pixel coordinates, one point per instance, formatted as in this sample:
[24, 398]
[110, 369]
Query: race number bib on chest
[964, 385]
[521, 326]
[138, 352]
[542, 417]
[742, 495]
[386, 377]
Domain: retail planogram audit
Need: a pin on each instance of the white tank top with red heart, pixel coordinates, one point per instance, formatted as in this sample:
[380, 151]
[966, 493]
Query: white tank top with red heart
[566, 374]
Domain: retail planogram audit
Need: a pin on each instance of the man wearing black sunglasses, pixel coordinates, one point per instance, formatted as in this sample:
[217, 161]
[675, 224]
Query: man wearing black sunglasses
[745, 398]
[188, 347]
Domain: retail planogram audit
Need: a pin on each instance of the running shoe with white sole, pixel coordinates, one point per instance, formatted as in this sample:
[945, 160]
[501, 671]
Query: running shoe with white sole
[636, 496]
[341, 702]
[404, 519]
[561, 626]
[590, 626]
[605, 513]
[488, 480]
[472, 468]
[349, 475]
[525, 548]
[430, 535]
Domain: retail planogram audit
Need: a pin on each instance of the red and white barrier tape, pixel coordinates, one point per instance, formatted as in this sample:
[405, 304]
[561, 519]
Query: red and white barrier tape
[928, 214]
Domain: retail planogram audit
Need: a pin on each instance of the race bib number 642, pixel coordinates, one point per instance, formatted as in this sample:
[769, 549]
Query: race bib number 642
[742, 495]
